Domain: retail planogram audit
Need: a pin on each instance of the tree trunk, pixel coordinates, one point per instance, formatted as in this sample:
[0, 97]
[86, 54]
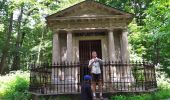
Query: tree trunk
[16, 59]
[6, 46]
[40, 46]
[20, 38]
[157, 52]
[24, 23]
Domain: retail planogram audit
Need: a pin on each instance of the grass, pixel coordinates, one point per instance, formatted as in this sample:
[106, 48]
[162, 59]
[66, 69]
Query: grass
[158, 95]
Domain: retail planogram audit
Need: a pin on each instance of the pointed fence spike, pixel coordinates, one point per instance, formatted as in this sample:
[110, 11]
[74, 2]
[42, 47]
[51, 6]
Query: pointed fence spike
[57, 63]
[116, 62]
[54, 64]
[74, 62]
[136, 61]
[67, 63]
[119, 62]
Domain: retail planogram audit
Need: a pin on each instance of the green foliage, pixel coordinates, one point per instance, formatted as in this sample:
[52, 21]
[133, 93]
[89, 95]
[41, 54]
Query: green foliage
[157, 24]
[121, 97]
[137, 39]
[138, 74]
[67, 3]
[14, 86]
[34, 38]
[137, 7]
[151, 40]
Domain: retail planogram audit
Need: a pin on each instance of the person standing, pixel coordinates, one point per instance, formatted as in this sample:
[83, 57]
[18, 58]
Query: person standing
[86, 92]
[95, 66]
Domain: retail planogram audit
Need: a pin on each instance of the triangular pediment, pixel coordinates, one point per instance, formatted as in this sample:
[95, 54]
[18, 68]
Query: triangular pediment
[88, 9]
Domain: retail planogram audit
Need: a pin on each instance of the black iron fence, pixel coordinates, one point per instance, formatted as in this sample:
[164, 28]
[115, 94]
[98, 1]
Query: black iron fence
[66, 78]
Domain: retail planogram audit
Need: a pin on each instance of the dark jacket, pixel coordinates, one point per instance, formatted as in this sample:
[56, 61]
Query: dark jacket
[86, 92]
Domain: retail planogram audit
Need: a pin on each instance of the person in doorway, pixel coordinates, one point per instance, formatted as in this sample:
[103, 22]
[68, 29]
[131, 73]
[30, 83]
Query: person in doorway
[86, 92]
[95, 66]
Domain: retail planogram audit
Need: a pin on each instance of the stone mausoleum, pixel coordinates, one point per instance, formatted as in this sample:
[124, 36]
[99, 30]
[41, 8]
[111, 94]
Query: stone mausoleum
[89, 26]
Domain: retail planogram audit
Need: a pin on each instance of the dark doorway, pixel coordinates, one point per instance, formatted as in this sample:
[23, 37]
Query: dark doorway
[85, 49]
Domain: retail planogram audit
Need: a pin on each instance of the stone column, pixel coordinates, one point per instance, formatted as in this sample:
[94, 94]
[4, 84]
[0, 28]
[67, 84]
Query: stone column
[70, 76]
[69, 46]
[71, 72]
[111, 46]
[124, 46]
[55, 57]
[127, 72]
[112, 57]
[56, 48]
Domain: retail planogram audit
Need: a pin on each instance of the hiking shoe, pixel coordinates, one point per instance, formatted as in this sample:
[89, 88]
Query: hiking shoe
[101, 98]
[94, 98]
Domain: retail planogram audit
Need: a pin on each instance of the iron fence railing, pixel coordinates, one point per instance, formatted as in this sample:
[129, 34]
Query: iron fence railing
[66, 78]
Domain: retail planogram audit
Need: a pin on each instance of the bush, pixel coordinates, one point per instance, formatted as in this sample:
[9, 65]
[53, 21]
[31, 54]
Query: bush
[14, 86]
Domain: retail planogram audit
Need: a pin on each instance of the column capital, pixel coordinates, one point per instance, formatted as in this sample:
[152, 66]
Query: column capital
[111, 29]
[69, 30]
[124, 30]
[55, 31]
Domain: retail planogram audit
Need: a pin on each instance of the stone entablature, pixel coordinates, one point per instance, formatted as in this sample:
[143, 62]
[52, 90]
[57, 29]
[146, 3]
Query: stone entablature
[89, 15]
[84, 24]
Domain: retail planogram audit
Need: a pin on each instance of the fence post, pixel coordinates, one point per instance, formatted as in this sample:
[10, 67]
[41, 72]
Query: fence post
[145, 74]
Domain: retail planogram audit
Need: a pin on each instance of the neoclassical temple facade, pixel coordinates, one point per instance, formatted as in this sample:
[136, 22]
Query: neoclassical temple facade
[77, 31]
[89, 26]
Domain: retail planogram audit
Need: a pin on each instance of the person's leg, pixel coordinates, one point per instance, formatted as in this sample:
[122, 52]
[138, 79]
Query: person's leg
[94, 88]
[100, 85]
[94, 85]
